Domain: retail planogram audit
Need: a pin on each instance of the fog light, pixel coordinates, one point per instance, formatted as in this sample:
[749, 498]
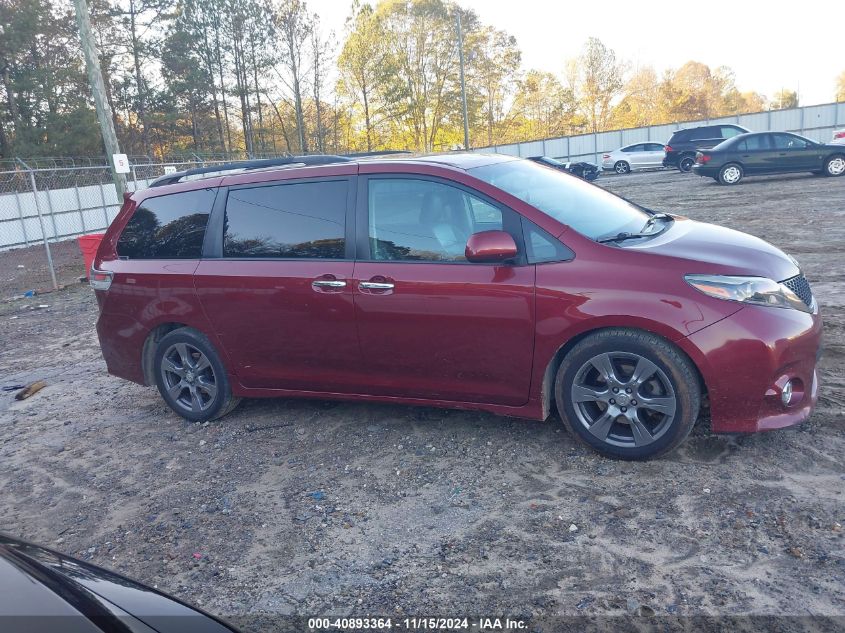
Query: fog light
[786, 394]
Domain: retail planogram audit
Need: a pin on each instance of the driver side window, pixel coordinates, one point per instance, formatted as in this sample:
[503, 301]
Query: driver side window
[787, 141]
[424, 220]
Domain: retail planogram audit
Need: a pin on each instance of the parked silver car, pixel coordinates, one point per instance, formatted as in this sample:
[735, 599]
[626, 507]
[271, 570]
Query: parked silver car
[636, 156]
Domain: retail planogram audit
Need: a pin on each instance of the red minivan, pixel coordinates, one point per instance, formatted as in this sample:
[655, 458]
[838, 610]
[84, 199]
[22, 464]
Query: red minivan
[462, 280]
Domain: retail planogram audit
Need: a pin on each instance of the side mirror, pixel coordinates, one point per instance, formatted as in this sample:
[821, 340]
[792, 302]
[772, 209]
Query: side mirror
[490, 246]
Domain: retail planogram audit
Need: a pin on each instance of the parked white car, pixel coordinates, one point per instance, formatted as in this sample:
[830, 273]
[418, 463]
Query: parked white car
[636, 156]
[838, 137]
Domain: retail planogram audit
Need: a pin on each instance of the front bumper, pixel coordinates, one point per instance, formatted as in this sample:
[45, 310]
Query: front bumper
[746, 359]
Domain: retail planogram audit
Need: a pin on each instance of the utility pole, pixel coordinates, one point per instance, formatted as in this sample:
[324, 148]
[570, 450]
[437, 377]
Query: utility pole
[98, 88]
[463, 83]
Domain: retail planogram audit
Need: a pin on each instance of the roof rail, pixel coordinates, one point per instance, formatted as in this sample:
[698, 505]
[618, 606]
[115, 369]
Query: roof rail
[314, 159]
[381, 152]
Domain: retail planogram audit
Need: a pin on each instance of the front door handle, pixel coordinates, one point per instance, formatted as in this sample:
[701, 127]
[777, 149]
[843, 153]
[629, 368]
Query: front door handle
[376, 285]
[328, 283]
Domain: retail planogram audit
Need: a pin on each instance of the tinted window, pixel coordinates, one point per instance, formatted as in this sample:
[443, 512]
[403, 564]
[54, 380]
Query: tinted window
[167, 227]
[633, 148]
[680, 136]
[728, 132]
[705, 133]
[542, 247]
[654, 147]
[426, 220]
[588, 209]
[788, 141]
[299, 220]
[751, 143]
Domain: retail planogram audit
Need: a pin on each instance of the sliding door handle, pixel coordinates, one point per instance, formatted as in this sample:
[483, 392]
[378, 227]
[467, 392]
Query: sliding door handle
[375, 285]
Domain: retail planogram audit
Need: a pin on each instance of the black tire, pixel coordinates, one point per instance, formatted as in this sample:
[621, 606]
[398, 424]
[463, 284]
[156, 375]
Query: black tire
[680, 396]
[834, 165]
[622, 167]
[731, 174]
[187, 365]
[686, 163]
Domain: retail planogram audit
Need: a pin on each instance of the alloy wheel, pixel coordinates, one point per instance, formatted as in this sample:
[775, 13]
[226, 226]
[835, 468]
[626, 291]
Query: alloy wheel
[686, 164]
[188, 377]
[622, 167]
[623, 399]
[836, 166]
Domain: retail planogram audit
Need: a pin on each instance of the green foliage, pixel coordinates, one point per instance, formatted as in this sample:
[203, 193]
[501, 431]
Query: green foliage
[44, 107]
[251, 76]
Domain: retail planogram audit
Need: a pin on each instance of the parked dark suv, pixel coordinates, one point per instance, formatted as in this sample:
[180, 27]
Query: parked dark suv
[681, 148]
[468, 281]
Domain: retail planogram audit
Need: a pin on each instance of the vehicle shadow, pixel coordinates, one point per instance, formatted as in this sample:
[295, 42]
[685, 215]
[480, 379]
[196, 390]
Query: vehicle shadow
[472, 430]
[758, 181]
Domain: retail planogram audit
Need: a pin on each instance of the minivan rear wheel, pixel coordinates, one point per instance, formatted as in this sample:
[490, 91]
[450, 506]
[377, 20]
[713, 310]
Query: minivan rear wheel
[190, 376]
[686, 163]
[627, 394]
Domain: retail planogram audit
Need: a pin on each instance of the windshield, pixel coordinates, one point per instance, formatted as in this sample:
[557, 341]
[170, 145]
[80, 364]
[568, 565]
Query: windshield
[588, 209]
[551, 161]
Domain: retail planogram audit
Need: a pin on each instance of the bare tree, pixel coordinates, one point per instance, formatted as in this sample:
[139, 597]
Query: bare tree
[294, 26]
[596, 78]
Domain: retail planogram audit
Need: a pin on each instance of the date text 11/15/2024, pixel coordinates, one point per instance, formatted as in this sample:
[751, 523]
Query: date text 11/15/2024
[480, 624]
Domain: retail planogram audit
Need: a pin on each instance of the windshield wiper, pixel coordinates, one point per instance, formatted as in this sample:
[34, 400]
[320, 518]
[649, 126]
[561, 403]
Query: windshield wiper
[625, 235]
[654, 218]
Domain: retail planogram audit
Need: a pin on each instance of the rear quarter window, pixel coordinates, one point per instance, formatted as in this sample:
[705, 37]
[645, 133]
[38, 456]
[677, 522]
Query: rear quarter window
[167, 227]
[705, 133]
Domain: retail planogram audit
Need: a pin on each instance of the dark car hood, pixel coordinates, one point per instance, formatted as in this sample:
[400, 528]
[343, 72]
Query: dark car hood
[718, 250]
[36, 581]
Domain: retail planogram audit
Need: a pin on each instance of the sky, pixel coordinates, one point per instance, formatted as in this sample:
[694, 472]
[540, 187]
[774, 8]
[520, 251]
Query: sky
[769, 45]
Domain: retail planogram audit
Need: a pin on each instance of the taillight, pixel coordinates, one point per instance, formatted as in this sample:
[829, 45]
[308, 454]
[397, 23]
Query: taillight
[839, 134]
[668, 148]
[605, 155]
[702, 158]
[100, 279]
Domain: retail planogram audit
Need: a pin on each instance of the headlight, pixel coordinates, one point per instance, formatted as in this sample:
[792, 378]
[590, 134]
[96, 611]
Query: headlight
[757, 290]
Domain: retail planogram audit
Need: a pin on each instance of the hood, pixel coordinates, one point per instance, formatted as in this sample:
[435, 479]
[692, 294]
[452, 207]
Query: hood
[42, 582]
[714, 249]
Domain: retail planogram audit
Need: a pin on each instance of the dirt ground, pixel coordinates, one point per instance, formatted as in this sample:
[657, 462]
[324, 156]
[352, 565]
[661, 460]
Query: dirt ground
[316, 508]
[25, 269]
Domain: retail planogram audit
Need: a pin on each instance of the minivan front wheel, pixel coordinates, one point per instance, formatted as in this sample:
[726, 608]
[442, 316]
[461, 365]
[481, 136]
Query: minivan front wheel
[190, 376]
[627, 394]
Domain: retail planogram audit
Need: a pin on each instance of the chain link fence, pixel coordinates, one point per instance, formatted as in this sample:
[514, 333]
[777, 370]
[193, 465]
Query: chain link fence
[47, 202]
